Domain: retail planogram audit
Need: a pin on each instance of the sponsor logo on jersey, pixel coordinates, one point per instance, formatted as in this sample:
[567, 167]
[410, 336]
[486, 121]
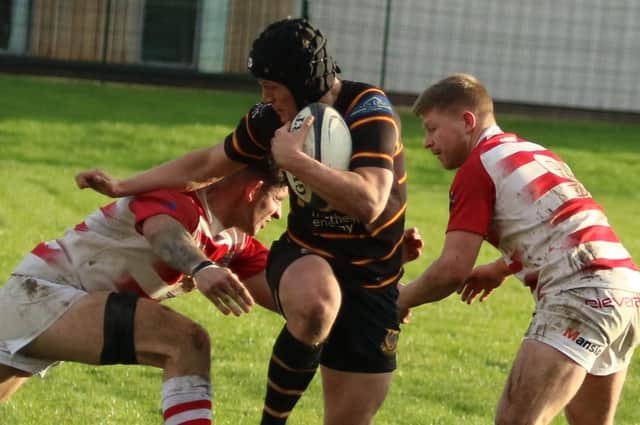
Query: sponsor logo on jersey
[574, 335]
[333, 221]
[370, 105]
[390, 343]
[613, 301]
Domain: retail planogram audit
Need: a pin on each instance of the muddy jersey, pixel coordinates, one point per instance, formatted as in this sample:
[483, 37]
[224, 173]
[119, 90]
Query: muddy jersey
[526, 202]
[106, 252]
[372, 252]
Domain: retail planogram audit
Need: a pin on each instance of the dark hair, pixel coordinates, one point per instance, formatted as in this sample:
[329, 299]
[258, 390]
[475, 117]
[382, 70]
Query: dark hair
[294, 53]
[268, 171]
[272, 176]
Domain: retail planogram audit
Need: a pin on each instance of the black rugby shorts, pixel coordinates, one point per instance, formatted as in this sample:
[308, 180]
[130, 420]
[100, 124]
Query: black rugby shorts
[365, 335]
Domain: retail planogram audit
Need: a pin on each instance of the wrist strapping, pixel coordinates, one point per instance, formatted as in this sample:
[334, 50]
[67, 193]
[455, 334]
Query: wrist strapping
[206, 264]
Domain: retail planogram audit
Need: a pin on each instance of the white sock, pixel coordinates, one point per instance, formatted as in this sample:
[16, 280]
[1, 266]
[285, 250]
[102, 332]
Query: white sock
[186, 400]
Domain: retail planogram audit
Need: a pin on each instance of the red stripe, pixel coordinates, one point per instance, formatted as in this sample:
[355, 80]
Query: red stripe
[126, 283]
[516, 267]
[605, 263]
[572, 207]
[542, 184]
[43, 251]
[109, 210]
[591, 234]
[498, 139]
[531, 280]
[509, 164]
[197, 422]
[82, 227]
[516, 262]
[183, 407]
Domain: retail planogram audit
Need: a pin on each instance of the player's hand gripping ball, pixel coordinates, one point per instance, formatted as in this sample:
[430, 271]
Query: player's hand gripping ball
[328, 141]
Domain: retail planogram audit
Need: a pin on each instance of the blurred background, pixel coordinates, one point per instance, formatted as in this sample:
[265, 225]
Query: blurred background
[578, 56]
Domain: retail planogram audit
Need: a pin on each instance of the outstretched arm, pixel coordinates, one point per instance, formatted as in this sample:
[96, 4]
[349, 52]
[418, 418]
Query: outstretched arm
[189, 172]
[484, 279]
[446, 274]
[175, 246]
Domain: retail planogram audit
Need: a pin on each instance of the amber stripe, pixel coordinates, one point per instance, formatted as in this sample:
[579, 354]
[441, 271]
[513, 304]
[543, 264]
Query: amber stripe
[309, 247]
[251, 136]
[239, 149]
[384, 282]
[360, 96]
[389, 222]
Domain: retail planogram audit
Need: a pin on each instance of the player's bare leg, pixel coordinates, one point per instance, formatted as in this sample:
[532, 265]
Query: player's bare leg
[162, 338]
[177, 346]
[310, 297]
[596, 401]
[10, 380]
[353, 398]
[180, 346]
[542, 381]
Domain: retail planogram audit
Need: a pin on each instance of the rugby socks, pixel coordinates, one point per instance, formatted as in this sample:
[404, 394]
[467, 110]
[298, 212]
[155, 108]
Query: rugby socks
[186, 400]
[291, 369]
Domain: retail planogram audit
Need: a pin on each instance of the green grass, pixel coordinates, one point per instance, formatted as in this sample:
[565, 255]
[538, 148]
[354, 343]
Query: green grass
[453, 358]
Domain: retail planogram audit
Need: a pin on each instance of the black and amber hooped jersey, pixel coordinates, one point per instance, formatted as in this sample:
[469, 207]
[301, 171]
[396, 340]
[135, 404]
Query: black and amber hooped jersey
[371, 253]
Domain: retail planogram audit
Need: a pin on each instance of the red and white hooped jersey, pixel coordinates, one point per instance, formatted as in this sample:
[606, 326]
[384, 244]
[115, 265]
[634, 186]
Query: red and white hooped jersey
[106, 252]
[527, 203]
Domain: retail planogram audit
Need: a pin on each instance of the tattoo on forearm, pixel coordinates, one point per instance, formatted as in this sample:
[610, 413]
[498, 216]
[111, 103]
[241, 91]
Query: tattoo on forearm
[176, 247]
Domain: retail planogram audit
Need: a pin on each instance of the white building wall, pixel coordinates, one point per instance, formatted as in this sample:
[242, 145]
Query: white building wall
[576, 53]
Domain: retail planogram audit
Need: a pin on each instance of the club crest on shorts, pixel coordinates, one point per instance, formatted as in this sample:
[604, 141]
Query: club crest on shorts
[390, 343]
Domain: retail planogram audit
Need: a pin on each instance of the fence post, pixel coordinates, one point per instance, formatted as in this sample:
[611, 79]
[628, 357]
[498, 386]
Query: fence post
[385, 44]
[107, 24]
[304, 9]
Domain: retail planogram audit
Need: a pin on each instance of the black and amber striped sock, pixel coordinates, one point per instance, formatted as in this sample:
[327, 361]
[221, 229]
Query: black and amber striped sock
[291, 369]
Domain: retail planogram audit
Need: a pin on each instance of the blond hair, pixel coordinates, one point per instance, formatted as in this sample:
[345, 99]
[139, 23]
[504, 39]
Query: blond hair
[455, 91]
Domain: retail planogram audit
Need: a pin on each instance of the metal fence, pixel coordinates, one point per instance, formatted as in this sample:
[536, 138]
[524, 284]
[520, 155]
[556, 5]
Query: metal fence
[568, 53]
[575, 53]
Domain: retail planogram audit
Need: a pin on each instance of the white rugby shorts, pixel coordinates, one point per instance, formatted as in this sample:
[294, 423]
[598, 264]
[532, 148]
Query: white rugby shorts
[598, 328]
[28, 306]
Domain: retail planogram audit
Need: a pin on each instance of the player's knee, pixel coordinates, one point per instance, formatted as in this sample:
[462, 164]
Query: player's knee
[321, 304]
[585, 415]
[199, 339]
[191, 342]
[314, 321]
[320, 314]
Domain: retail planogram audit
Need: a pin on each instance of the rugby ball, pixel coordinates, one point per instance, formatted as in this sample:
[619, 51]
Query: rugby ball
[328, 141]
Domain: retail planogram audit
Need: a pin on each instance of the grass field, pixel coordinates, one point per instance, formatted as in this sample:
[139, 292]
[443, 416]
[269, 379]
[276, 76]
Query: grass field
[453, 358]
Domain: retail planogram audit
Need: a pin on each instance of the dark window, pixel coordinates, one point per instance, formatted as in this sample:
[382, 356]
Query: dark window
[5, 23]
[169, 31]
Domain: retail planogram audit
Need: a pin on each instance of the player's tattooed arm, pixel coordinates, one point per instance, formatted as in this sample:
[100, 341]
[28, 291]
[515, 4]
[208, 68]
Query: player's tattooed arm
[171, 242]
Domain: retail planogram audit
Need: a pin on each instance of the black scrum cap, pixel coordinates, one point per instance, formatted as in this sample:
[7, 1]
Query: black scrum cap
[294, 53]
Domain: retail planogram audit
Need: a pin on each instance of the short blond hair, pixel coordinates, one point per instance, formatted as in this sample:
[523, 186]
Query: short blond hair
[455, 91]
